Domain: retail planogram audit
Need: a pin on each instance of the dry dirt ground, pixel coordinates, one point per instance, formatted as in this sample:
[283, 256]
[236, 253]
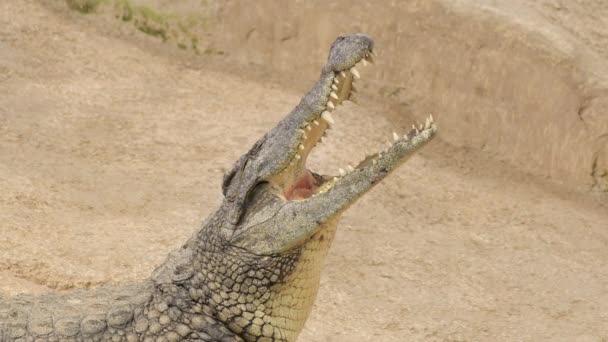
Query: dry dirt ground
[112, 151]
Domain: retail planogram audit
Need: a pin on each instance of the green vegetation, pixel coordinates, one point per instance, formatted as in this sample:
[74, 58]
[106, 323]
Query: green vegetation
[184, 31]
[144, 18]
[123, 10]
[83, 6]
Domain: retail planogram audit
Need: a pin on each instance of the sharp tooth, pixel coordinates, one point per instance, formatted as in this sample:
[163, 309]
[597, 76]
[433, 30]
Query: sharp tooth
[355, 72]
[342, 172]
[405, 137]
[374, 161]
[336, 81]
[336, 179]
[334, 95]
[364, 62]
[301, 147]
[334, 87]
[343, 74]
[389, 144]
[308, 127]
[330, 105]
[350, 168]
[327, 117]
[395, 136]
[431, 118]
[304, 136]
[427, 123]
[417, 131]
[315, 122]
[370, 59]
[322, 139]
[413, 126]
[297, 156]
[292, 163]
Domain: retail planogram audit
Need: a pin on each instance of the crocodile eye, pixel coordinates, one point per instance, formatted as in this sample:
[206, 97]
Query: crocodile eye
[255, 191]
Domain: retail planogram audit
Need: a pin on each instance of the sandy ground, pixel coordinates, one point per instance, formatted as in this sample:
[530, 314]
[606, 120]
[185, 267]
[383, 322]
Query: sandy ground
[112, 151]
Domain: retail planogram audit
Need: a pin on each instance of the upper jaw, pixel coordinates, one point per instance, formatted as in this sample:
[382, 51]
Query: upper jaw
[313, 116]
[348, 50]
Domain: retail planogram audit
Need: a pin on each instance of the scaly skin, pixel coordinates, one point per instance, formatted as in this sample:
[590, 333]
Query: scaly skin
[252, 271]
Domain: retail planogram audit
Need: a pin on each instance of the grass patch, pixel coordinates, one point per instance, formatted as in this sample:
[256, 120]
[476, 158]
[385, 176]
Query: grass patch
[183, 30]
[123, 10]
[150, 22]
[84, 6]
[144, 18]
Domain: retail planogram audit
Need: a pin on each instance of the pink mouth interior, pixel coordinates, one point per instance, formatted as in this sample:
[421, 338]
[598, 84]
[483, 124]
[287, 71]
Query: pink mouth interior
[304, 187]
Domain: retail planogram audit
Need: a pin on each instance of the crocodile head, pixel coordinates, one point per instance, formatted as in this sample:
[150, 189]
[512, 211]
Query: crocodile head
[279, 217]
[273, 200]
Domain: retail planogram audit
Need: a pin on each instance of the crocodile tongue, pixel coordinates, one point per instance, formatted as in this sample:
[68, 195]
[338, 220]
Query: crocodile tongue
[304, 187]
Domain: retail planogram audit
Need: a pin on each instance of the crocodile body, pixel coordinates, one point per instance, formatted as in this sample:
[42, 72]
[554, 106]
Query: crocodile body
[251, 273]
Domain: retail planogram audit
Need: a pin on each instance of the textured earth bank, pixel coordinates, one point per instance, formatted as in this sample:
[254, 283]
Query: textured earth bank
[112, 149]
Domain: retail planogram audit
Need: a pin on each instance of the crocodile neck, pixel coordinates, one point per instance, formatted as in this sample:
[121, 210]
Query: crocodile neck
[206, 290]
[265, 298]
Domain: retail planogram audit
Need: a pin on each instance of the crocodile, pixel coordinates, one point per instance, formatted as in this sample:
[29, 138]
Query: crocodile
[251, 272]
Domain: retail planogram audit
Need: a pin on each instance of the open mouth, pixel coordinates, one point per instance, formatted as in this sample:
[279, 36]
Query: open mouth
[296, 182]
